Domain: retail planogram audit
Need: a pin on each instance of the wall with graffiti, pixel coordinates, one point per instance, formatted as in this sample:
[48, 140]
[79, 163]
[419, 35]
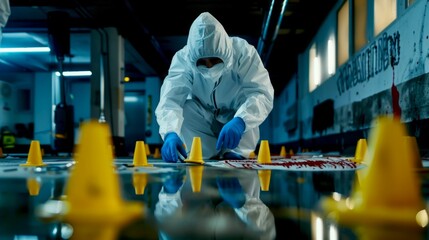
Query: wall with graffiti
[389, 75]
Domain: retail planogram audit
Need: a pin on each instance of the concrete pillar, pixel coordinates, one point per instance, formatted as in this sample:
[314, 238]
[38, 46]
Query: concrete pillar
[107, 52]
[153, 86]
[43, 107]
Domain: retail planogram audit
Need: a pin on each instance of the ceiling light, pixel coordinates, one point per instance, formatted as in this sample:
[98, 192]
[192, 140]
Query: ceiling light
[25, 49]
[75, 73]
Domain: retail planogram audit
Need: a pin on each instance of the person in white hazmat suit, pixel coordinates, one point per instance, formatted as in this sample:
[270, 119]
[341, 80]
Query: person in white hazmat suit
[234, 211]
[217, 89]
[4, 15]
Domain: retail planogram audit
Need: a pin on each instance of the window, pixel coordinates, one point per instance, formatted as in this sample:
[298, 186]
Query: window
[343, 33]
[384, 14]
[314, 71]
[360, 15]
[331, 56]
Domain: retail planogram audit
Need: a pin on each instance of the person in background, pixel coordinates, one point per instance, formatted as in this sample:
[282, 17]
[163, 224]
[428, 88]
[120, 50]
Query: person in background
[217, 89]
[4, 15]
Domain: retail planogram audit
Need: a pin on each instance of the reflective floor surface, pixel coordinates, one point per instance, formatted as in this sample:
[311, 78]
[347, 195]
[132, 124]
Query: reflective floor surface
[182, 201]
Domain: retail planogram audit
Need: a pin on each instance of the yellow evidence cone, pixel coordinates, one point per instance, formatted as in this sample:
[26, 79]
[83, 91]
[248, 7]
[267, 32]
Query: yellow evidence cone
[414, 153]
[140, 156]
[252, 155]
[93, 190]
[291, 153]
[283, 152]
[34, 158]
[157, 153]
[389, 193]
[1, 152]
[112, 150]
[264, 179]
[33, 186]
[264, 155]
[139, 182]
[360, 150]
[196, 175]
[147, 149]
[196, 155]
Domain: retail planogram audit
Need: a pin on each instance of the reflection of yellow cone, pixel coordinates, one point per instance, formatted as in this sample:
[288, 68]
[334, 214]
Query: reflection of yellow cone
[157, 153]
[34, 155]
[94, 232]
[140, 156]
[196, 155]
[196, 175]
[139, 182]
[264, 179]
[283, 152]
[264, 155]
[252, 155]
[33, 186]
[93, 190]
[380, 233]
[147, 149]
[360, 150]
[389, 190]
[411, 142]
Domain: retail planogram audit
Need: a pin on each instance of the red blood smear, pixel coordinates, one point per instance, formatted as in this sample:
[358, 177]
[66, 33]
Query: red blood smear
[300, 164]
[395, 102]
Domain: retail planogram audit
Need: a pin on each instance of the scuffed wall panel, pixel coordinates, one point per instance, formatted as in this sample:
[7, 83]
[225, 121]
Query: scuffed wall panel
[388, 76]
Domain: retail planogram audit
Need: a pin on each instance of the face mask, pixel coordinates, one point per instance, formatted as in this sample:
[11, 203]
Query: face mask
[213, 73]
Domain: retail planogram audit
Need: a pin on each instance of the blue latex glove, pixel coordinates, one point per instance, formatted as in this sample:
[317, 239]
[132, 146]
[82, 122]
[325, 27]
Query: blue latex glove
[230, 134]
[172, 144]
[173, 182]
[231, 191]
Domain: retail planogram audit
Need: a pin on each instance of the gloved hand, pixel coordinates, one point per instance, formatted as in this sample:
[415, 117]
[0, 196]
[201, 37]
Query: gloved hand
[174, 181]
[172, 144]
[230, 134]
[231, 191]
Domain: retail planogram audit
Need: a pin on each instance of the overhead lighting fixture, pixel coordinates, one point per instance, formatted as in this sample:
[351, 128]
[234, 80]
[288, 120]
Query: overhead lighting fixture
[75, 73]
[131, 99]
[25, 50]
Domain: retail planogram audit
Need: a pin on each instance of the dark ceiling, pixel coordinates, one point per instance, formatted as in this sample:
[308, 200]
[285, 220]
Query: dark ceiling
[156, 29]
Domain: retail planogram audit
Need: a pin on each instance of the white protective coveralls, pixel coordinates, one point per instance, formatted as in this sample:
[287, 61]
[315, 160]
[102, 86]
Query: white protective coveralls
[193, 106]
[4, 15]
[193, 218]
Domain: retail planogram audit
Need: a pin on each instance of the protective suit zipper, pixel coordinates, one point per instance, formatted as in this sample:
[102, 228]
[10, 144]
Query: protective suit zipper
[216, 111]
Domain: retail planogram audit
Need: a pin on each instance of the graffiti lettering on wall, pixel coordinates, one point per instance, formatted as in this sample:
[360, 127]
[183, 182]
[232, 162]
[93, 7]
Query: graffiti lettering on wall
[414, 104]
[373, 60]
